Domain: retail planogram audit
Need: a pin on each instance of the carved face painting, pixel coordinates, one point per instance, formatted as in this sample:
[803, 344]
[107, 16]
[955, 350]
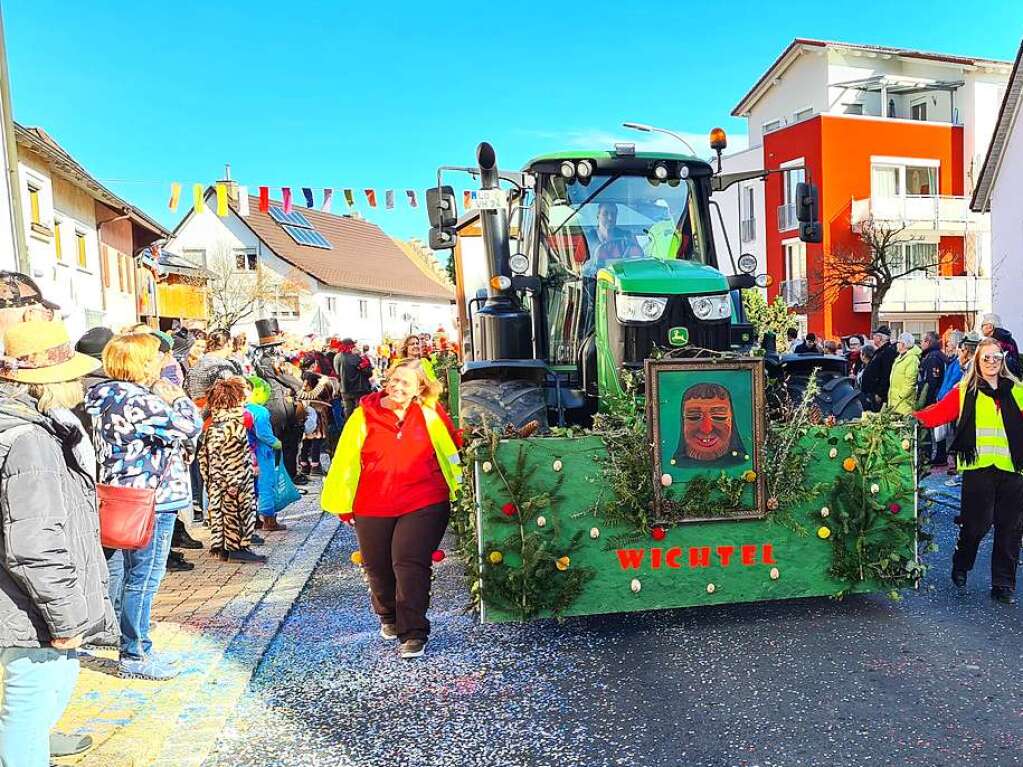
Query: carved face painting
[708, 425]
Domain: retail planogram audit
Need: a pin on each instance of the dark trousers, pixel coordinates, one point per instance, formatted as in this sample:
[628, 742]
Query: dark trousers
[309, 454]
[290, 443]
[991, 496]
[397, 553]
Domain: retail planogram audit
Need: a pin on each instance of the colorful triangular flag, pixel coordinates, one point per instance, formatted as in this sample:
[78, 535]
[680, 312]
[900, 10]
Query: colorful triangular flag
[389, 199]
[328, 198]
[175, 196]
[264, 199]
[221, 199]
[371, 197]
[286, 197]
[308, 194]
[197, 201]
[243, 201]
[350, 198]
[412, 199]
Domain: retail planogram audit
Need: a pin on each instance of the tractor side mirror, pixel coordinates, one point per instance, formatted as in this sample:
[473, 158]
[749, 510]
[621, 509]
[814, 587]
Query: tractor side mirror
[440, 206]
[806, 203]
[807, 213]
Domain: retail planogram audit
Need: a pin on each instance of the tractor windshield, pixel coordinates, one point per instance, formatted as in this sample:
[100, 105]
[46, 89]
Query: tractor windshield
[612, 217]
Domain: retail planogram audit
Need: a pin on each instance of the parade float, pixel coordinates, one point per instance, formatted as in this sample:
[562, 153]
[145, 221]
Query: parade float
[629, 444]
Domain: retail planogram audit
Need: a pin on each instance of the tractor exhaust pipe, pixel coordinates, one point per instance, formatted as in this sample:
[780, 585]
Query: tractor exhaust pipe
[505, 327]
[494, 224]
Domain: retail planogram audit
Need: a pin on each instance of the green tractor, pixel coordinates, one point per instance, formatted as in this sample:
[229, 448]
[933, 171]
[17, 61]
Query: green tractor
[613, 262]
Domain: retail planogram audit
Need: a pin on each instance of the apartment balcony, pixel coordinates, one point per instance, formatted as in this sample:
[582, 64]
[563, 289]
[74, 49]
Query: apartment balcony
[748, 230]
[924, 213]
[795, 292]
[941, 295]
[787, 217]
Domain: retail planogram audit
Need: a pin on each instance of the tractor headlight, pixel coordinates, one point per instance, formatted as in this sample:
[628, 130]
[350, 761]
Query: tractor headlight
[518, 263]
[639, 308]
[747, 263]
[711, 307]
[567, 169]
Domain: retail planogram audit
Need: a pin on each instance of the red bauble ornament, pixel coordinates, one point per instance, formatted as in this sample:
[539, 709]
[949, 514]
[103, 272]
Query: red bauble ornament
[509, 509]
[657, 533]
[894, 508]
[438, 555]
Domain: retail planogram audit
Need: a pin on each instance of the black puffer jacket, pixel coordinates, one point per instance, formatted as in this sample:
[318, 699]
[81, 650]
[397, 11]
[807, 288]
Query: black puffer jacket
[53, 576]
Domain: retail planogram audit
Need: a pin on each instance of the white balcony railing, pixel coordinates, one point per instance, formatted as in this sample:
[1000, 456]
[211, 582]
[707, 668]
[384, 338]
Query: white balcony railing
[787, 217]
[748, 230]
[794, 292]
[941, 214]
[966, 293]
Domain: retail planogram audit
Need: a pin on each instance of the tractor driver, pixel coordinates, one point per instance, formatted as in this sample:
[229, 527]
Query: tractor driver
[613, 242]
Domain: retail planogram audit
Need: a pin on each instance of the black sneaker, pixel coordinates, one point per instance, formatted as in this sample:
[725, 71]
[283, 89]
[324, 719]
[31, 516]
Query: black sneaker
[959, 578]
[257, 539]
[301, 479]
[412, 648]
[1003, 595]
[176, 563]
[246, 555]
[182, 540]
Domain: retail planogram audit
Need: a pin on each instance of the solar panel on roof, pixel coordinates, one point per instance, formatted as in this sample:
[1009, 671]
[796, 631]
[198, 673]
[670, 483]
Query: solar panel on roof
[309, 237]
[294, 218]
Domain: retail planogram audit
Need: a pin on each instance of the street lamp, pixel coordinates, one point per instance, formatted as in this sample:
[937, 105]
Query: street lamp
[653, 129]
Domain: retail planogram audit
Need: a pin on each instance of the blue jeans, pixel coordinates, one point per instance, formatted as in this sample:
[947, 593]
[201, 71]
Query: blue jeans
[37, 686]
[134, 580]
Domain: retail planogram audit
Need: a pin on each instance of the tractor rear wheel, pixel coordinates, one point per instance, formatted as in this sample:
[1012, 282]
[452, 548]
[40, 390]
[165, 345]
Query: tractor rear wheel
[837, 395]
[500, 404]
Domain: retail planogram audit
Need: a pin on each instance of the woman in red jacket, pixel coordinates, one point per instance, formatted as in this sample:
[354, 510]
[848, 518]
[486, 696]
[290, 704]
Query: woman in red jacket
[395, 473]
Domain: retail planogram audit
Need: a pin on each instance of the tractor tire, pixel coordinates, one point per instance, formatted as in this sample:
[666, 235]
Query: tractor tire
[501, 404]
[837, 395]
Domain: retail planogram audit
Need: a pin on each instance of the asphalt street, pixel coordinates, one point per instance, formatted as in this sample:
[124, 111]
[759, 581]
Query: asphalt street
[932, 680]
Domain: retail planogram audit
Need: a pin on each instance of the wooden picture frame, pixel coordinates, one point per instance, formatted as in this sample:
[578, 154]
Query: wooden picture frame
[703, 460]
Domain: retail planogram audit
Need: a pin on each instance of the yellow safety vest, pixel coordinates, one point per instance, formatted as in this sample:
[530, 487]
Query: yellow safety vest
[992, 442]
[342, 481]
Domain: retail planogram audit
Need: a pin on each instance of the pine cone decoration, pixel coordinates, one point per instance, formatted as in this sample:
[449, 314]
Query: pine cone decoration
[527, 429]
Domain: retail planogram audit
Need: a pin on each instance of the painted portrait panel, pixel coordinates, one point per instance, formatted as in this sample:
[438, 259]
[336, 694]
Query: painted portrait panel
[706, 421]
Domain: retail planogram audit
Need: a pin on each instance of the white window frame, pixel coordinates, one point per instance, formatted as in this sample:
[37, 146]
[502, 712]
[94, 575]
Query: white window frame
[747, 213]
[788, 191]
[918, 103]
[251, 265]
[392, 311]
[772, 125]
[900, 164]
[803, 114]
[332, 304]
[799, 246]
[363, 309]
[856, 106]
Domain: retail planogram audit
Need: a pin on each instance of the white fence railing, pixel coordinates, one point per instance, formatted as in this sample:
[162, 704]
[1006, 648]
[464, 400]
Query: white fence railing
[966, 293]
[787, 217]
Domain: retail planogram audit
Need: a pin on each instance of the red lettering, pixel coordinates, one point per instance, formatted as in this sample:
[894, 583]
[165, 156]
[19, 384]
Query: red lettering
[630, 559]
[767, 554]
[749, 554]
[699, 556]
[655, 559]
[725, 554]
[671, 557]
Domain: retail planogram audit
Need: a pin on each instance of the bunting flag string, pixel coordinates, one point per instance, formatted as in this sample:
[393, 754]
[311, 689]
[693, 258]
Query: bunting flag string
[226, 191]
[175, 196]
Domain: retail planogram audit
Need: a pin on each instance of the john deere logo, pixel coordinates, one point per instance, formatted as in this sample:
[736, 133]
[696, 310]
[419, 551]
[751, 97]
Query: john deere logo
[678, 336]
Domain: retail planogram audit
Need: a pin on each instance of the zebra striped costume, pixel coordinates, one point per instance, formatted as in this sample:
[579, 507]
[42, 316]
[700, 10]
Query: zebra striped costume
[225, 462]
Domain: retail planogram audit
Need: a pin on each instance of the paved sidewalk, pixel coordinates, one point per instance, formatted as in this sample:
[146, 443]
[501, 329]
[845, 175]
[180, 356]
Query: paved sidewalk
[215, 622]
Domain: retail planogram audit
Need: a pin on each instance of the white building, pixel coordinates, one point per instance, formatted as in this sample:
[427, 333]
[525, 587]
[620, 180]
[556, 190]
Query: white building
[322, 273]
[999, 191]
[892, 133]
[81, 237]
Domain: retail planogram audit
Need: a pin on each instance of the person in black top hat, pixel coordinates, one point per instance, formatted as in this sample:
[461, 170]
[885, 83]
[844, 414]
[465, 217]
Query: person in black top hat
[286, 414]
[878, 372]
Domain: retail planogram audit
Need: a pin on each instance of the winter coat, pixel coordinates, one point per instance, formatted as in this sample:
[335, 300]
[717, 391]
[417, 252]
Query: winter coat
[264, 443]
[953, 375]
[877, 375]
[318, 398]
[53, 575]
[355, 373]
[930, 376]
[141, 441]
[283, 414]
[1008, 345]
[902, 387]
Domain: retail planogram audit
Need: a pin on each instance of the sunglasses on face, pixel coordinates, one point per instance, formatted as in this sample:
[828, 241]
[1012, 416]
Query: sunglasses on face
[993, 357]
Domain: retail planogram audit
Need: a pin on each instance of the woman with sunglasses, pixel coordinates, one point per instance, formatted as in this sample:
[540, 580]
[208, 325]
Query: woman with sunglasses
[988, 446]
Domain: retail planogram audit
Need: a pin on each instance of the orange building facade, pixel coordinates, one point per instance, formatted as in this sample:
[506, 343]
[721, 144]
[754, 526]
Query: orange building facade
[847, 157]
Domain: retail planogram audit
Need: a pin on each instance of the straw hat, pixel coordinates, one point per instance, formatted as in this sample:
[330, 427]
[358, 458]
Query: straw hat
[40, 352]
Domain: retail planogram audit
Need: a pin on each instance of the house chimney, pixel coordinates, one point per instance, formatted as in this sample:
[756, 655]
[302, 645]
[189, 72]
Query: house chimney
[232, 187]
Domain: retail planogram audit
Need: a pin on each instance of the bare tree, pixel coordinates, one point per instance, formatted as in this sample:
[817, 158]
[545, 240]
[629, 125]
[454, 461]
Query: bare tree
[874, 262]
[237, 292]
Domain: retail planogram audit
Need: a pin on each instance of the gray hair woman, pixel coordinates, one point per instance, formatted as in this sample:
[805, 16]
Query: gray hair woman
[53, 577]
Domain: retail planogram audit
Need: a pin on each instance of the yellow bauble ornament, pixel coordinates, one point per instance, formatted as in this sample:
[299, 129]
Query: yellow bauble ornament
[562, 563]
[496, 557]
[823, 532]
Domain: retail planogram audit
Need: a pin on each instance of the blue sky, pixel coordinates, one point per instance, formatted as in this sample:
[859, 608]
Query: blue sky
[379, 94]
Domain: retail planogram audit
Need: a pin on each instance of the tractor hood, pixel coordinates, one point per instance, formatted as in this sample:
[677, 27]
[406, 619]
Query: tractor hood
[657, 277]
